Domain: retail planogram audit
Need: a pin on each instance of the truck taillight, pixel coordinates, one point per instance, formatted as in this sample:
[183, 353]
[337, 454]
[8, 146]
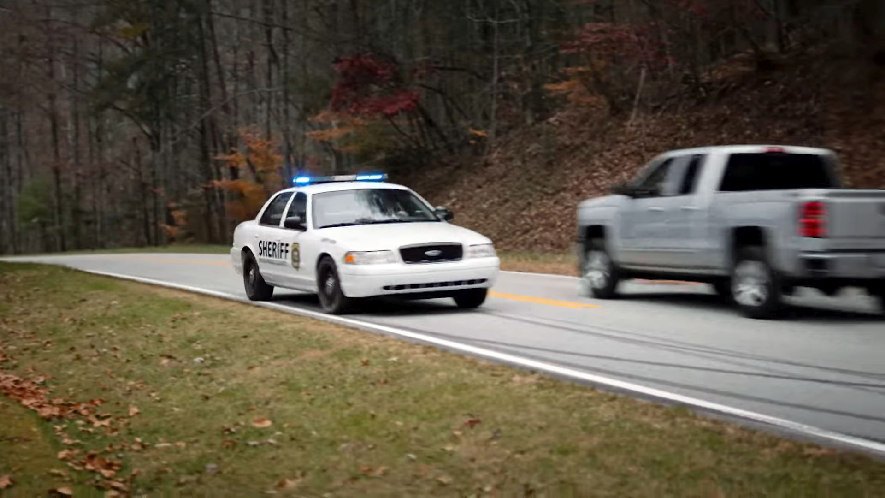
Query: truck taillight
[811, 220]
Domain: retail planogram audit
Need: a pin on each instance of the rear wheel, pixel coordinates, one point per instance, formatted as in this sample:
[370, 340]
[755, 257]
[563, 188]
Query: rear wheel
[332, 298]
[755, 286]
[600, 275]
[470, 299]
[256, 288]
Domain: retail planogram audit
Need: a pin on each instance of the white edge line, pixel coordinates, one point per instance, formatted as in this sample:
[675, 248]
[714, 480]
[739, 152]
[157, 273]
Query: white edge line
[788, 425]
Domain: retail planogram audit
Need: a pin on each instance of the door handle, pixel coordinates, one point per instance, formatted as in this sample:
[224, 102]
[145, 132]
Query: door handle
[656, 209]
[690, 208]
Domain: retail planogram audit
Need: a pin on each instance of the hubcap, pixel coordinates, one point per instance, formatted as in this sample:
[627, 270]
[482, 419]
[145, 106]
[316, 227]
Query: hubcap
[253, 276]
[751, 283]
[598, 270]
[329, 285]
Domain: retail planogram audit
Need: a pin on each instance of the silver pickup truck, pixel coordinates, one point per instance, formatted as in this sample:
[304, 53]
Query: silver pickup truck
[754, 221]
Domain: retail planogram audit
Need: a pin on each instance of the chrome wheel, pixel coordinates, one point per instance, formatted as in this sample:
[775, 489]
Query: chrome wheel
[598, 270]
[751, 284]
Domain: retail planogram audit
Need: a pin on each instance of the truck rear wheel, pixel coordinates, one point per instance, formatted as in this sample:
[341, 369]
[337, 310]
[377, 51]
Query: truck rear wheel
[256, 288]
[755, 286]
[600, 274]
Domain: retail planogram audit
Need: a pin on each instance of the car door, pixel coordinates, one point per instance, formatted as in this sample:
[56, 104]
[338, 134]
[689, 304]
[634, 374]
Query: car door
[643, 218]
[299, 239]
[683, 228]
[271, 253]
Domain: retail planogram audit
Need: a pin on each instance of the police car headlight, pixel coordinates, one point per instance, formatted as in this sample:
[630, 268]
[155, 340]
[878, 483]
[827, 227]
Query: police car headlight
[481, 251]
[369, 257]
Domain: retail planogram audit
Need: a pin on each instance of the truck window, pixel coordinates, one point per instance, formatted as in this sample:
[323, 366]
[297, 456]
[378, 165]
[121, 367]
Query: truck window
[274, 212]
[775, 172]
[692, 173]
[656, 181]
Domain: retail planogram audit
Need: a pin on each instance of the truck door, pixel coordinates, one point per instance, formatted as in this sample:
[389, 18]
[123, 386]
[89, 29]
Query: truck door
[270, 252]
[685, 224]
[643, 218]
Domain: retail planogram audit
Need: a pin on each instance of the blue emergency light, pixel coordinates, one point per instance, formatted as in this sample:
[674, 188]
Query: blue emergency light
[360, 177]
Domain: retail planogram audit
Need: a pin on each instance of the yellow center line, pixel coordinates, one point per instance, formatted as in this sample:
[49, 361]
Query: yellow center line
[542, 300]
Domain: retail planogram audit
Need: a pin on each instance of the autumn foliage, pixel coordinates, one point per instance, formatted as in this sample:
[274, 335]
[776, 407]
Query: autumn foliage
[257, 165]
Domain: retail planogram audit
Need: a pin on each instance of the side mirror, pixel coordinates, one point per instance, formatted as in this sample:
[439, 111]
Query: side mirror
[294, 223]
[444, 213]
[623, 189]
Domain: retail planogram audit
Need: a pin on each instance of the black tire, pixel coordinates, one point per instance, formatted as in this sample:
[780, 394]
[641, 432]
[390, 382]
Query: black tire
[755, 287]
[471, 299]
[256, 288]
[600, 274]
[332, 298]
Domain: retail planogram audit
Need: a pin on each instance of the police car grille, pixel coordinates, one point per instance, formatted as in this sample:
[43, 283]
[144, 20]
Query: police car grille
[431, 253]
[434, 285]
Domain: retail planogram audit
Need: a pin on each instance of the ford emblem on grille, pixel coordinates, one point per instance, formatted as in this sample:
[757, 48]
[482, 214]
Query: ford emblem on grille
[433, 253]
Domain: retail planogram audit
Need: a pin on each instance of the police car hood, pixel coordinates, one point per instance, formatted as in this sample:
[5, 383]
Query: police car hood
[394, 235]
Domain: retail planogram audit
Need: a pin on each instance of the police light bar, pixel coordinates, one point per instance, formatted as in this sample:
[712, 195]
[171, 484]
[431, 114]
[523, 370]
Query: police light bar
[360, 177]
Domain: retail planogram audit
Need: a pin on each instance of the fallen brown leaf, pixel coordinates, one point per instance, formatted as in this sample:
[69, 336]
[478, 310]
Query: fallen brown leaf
[287, 484]
[261, 422]
[5, 481]
[133, 411]
[472, 422]
[66, 454]
[64, 491]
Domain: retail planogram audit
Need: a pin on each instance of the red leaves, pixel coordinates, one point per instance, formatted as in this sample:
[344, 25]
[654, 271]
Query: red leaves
[370, 86]
[31, 395]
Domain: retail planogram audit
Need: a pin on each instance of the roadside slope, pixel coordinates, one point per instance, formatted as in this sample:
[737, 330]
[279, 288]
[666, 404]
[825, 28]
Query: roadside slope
[524, 192]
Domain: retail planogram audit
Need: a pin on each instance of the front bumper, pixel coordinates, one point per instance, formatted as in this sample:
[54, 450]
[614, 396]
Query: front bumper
[236, 259]
[430, 279]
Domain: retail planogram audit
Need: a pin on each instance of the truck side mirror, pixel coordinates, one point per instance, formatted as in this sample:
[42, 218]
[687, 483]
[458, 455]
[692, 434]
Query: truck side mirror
[294, 223]
[444, 213]
[623, 189]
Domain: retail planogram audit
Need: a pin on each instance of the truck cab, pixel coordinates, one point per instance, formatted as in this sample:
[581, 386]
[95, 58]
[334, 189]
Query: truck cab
[694, 213]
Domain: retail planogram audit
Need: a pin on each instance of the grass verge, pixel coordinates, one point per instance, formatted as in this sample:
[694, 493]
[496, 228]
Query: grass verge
[198, 396]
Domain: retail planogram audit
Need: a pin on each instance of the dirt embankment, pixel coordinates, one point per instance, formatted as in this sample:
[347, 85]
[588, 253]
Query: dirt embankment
[523, 194]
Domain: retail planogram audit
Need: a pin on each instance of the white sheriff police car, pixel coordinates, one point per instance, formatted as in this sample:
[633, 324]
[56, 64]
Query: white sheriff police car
[356, 236]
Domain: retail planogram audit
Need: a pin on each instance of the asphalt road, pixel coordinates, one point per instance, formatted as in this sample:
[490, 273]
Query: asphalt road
[824, 366]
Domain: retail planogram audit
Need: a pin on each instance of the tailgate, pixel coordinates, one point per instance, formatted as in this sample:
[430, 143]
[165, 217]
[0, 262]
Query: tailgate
[855, 214]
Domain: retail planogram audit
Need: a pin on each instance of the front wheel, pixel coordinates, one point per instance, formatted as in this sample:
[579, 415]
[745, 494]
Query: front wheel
[755, 286]
[600, 273]
[332, 298]
[256, 288]
[470, 299]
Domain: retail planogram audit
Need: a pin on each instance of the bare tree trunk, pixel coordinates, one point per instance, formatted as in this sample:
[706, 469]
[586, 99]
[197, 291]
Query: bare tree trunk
[56, 146]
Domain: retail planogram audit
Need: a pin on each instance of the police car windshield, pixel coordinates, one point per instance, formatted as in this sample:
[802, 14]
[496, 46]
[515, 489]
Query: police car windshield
[369, 207]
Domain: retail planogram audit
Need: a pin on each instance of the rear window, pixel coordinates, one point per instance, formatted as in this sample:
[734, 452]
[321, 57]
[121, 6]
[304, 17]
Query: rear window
[775, 172]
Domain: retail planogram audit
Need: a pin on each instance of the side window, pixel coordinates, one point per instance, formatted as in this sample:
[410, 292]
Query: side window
[692, 173]
[298, 207]
[656, 181]
[274, 212]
